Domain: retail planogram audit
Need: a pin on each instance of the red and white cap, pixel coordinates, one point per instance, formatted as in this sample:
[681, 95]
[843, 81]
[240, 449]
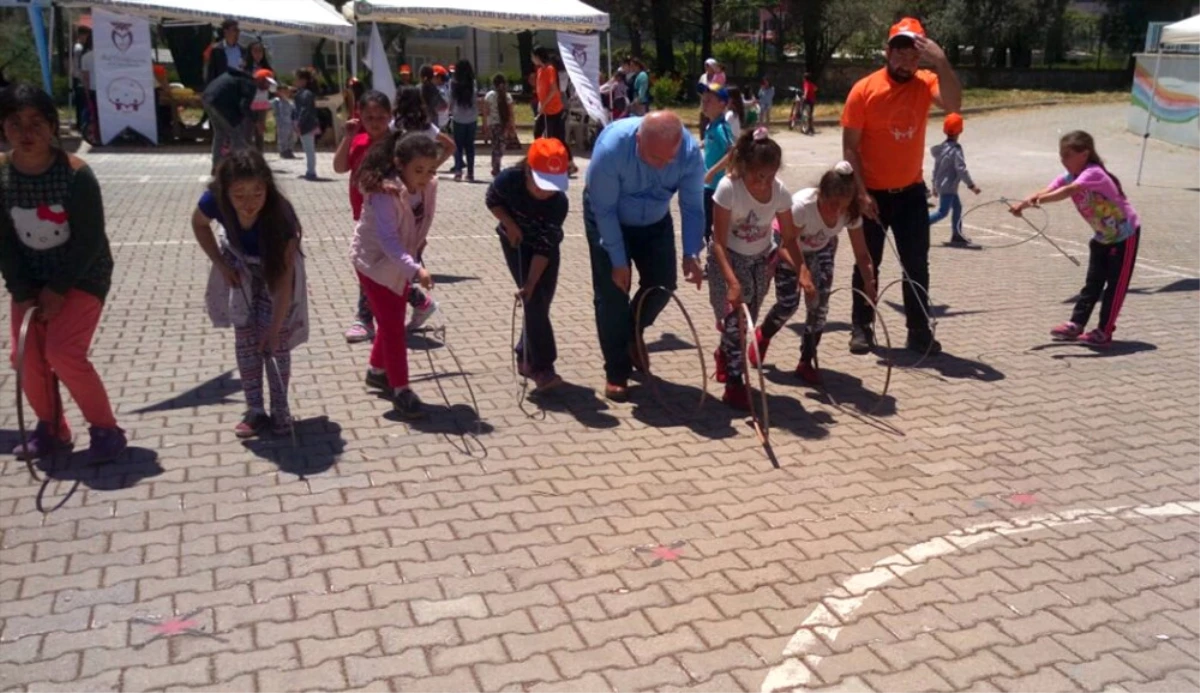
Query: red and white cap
[548, 162]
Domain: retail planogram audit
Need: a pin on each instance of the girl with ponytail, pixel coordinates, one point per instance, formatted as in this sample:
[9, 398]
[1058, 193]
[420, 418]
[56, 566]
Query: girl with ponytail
[819, 215]
[1101, 201]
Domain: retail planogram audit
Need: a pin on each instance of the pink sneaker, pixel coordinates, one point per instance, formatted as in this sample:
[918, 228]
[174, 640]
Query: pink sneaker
[1067, 332]
[360, 332]
[1096, 338]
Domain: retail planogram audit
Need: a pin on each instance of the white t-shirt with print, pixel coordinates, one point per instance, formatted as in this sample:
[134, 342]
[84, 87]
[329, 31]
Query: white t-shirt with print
[750, 220]
[814, 233]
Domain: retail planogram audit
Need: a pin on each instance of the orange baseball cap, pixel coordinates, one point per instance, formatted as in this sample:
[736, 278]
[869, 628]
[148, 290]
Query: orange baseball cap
[907, 27]
[263, 74]
[953, 124]
[405, 70]
[548, 162]
[439, 70]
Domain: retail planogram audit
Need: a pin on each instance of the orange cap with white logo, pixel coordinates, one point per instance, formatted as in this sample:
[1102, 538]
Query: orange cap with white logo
[548, 162]
[906, 27]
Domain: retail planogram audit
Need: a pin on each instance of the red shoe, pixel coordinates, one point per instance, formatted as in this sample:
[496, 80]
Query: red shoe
[808, 374]
[736, 396]
[719, 357]
[759, 351]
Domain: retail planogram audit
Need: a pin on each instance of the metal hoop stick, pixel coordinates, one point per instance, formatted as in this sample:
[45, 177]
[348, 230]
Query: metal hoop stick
[273, 367]
[539, 414]
[887, 378]
[761, 428]
[1041, 232]
[644, 355]
[440, 333]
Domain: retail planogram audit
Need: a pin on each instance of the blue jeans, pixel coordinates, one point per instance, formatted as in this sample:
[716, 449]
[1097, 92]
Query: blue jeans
[952, 205]
[464, 148]
[310, 153]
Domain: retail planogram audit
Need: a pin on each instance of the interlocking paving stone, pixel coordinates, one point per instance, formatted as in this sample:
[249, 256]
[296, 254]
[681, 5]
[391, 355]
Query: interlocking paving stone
[1024, 516]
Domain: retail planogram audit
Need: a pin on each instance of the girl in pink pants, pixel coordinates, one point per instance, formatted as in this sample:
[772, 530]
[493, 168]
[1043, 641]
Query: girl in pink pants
[55, 259]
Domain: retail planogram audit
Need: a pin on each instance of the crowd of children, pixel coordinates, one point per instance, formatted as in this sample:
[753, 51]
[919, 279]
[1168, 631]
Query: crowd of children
[758, 233]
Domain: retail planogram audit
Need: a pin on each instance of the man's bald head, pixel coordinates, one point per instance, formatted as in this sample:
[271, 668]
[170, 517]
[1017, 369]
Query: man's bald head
[659, 137]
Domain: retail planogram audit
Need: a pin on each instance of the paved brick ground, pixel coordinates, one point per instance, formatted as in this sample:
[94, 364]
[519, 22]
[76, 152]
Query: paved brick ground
[1017, 518]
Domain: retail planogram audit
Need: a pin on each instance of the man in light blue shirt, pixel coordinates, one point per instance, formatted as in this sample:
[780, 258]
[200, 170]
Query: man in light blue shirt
[637, 166]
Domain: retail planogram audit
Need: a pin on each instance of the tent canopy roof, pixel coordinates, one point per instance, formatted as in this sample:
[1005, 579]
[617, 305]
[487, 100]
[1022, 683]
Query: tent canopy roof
[289, 16]
[492, 15]
[1186, 32]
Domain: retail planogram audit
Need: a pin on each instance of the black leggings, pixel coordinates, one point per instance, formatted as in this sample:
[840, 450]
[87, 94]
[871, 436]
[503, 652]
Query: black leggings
[556, 127]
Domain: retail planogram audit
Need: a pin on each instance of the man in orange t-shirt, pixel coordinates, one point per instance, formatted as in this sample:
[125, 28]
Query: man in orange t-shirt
[883, 134]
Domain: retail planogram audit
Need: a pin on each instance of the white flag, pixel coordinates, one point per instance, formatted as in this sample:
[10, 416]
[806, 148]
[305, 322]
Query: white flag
[381, 72]
[581, 56]
[124, 75]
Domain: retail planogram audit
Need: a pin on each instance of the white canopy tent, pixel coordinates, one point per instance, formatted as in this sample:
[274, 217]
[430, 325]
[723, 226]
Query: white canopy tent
[490, 15]
[285, 16]
[1183, 33]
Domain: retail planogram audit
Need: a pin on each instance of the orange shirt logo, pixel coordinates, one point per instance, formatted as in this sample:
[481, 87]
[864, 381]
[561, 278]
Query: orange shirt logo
[892, 117]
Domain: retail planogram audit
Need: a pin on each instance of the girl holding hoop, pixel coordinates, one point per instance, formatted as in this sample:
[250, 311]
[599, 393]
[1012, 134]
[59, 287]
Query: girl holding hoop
[744, 204]
[1101, 202]
[819, 215]
[55, 259]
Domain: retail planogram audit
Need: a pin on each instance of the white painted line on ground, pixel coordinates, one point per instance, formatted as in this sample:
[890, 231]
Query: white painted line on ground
[839, 605]
[1142, 261]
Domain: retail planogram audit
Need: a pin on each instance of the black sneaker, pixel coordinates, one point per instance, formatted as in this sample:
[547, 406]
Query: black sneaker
[408, 405]
[376, 381]
[922, 341]
[862, 340]
[959, 239]
[252, 424]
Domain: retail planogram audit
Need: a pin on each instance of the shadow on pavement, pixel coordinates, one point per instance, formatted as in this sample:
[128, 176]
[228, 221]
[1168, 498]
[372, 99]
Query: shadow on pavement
[1076, 350]
[846, 389]
[319, 441]
[215, 391]
[580, 402]
[946, 365]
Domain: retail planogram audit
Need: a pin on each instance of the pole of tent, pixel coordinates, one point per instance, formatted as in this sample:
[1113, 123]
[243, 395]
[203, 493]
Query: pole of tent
[354, 51]
[1150, 111]
[50, 37]
[475, 50]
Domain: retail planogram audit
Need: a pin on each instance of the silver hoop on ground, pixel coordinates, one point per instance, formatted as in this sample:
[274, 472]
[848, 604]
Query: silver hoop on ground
[273, 366]
[762, 428]
[22, 350]
[644, 354]
[888, 363]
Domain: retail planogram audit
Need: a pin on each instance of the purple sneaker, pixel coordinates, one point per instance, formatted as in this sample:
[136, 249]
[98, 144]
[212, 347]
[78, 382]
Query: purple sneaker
[1096, 338]
[1066, 332]
[107, 444]
[40, 444]
[360, 332]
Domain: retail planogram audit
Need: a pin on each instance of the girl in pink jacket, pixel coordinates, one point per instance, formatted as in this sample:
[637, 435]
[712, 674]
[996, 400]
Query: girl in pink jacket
[398, 178]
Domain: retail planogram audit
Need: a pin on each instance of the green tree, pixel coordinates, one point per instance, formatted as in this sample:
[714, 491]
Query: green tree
[739, 57]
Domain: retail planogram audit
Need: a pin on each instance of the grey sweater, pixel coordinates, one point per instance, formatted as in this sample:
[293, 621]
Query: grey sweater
[949, 168]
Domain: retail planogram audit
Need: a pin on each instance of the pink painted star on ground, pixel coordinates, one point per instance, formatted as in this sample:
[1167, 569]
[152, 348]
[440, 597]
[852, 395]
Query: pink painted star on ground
[665, 553]
[174, 626]
[1023, 498]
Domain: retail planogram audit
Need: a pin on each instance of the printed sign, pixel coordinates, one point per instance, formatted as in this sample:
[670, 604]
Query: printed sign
[124, 75]
[581, 56]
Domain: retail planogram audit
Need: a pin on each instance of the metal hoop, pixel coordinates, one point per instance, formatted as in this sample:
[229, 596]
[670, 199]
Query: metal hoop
[644, 355]
[761, 428]
[22, 343]
[887, 378]
[929, 319]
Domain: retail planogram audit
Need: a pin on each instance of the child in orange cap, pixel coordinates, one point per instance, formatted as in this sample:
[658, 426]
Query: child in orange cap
[950, 169]
[530, 202]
